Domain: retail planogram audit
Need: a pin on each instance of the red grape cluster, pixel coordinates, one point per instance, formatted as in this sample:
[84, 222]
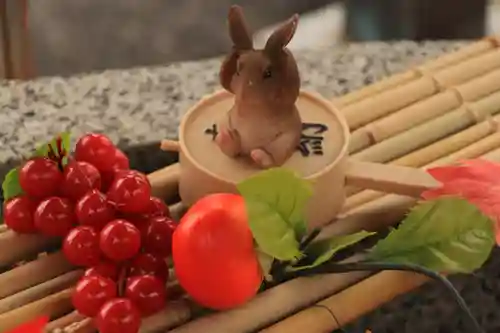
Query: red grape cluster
[110, 224]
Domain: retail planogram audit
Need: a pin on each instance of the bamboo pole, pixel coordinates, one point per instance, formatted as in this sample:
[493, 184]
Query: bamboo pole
[22, 246]
[54, 305]
[430, 66]
[425, 110]
[39, 291]
[33, 273]
[473, 150]
[350, 303]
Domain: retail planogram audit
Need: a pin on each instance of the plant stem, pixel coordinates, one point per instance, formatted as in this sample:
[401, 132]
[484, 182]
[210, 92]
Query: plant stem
[331, 267]
[278, 268]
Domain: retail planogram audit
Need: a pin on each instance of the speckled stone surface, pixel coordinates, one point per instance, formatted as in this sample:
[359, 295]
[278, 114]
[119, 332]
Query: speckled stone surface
[142, 105]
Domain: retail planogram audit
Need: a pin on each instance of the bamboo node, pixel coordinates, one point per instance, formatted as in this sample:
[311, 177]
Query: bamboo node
[476, 116]
[459, 96]
[370, 134]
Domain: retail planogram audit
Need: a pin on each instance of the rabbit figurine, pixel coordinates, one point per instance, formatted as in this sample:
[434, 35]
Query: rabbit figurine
[264, 123]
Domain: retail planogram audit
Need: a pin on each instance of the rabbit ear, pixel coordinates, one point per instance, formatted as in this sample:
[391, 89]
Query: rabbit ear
[280, 38]
[238, 30]
[227, 70]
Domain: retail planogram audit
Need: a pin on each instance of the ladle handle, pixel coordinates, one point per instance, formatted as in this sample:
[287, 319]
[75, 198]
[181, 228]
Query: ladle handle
[389, 178]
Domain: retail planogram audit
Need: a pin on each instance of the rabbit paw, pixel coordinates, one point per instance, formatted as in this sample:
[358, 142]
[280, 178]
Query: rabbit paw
[262, 158]
[227, 143]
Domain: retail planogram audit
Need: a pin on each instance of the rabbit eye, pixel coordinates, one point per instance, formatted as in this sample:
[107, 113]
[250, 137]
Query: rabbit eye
[267, 74]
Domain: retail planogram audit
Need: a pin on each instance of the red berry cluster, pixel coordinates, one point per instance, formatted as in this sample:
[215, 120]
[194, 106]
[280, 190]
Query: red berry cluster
[110, 224]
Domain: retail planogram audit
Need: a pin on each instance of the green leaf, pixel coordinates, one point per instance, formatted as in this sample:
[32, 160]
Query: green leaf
[10, 186]
[43, 149]
[325, 249]
[445, 235]
[284, 192]
[271, 232]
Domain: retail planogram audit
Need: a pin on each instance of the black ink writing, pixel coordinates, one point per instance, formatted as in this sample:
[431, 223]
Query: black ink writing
[311, 141]
[212, 131]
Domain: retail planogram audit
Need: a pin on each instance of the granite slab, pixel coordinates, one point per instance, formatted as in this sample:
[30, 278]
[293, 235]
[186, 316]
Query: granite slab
[143, 105]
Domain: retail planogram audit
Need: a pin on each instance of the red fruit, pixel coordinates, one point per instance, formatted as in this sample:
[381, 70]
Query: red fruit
[40, 177]
[130, 192]
[120, 240]
[157, 207]
[149, 264]
[157, 236]
[79, 178]
[94, 210]
[96, 149]
[18, 215]
[54, 216]
[147, 292]
[81, 246]
[90, 294]
[104, 268]
[121, 162]
[118, 315]
[213, 241]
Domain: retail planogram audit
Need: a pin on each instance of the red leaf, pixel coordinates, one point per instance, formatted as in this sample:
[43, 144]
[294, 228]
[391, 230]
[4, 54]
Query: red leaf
[477, 181]
[37, 325]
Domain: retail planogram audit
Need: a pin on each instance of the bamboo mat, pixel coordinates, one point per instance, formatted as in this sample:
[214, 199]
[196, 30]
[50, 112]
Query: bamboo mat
[436, 113]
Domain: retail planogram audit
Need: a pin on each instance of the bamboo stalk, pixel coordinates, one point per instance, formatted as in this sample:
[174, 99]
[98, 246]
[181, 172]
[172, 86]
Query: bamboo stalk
[468, 69]
[425, 110]
[376, 88]
[388, 101]
[54, 305]
[458, 56]
[39, 291]
[33, 273]
[350, 303]
[22, 246]
[430, 66]
[400, 121]
[473, 150]
[84, 326]
[175, 314]
[65, 321]
[480, 87]
[427, 133]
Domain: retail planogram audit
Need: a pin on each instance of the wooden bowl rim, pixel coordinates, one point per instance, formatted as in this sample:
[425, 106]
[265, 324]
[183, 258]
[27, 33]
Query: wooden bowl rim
[303, 94]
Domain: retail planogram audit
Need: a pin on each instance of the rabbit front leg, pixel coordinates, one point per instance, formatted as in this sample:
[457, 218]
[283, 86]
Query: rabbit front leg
[278, 151]
[228, 140]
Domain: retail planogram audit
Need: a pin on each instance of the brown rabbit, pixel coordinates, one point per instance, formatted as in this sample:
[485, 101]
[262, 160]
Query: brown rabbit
[264, 123]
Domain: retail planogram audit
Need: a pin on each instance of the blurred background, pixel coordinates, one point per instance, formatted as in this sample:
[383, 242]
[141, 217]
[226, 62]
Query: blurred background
[74, 36]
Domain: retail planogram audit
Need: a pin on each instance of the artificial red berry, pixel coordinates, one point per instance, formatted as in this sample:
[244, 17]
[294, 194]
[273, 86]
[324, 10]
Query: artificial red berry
[130, 192]
[157, 207]
[18, 215]
[96, 149]
[157, 236]
[104, 268]
[121, 162]
[94, 210]
[79, 178]
[120, 240]
[40, 177]
[54, 216]
[149, 264]
[118, 315]
[147, 292]
[91, 292]
[81, 246]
